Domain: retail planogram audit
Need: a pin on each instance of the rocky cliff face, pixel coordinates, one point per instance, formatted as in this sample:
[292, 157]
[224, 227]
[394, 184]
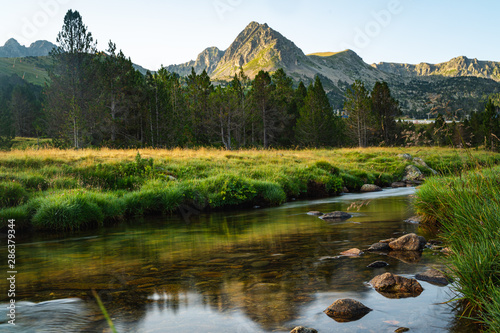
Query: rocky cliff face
[12, 49]
[459, 66]
[258, 47]
[206, 60]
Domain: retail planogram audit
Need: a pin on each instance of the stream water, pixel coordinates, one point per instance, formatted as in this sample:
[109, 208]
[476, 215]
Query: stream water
[263, 270]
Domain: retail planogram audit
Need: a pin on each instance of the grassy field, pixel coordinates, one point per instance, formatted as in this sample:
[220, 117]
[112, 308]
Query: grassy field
[32, 69]
[467, 210]
[74, 189]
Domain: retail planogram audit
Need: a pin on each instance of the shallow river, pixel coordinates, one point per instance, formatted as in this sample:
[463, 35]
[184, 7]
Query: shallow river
[263, 270]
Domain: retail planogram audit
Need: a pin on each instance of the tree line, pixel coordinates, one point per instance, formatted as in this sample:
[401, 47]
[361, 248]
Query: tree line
[97, 98]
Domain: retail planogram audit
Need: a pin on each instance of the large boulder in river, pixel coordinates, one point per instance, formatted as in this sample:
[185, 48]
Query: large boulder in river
[370, 188]
[408, 242]
[395, 286]
[338, 215]
[346, 309]
[433, 276]
[302, 329]
[412, 173]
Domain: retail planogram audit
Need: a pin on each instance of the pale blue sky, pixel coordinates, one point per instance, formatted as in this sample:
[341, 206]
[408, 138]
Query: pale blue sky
[154, 32]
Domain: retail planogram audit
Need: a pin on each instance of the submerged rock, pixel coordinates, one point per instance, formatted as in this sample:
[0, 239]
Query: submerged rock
[433, 276]
[344, 310]
[408, 257]
[370, 188]
[337, 215]
[378, 264]
[352, 252]
[414, 220]
[402, 329]
[408, 242]
[395, 286]
[302, 329]
[314, 213]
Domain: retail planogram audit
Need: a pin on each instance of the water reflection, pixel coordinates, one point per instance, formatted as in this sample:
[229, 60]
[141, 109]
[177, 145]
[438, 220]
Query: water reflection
[254, 271]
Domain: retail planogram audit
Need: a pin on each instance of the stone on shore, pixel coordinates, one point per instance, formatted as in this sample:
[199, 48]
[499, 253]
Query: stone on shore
[370, 188]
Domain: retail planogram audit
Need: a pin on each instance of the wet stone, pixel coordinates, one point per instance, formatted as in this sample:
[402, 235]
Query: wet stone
[379, 247]
[395, 286]
[345, 310]
[314, 213]
[352, 252]
[302, 329]
[378, 264]
[433, 276]
[337, 215]
[402, 329]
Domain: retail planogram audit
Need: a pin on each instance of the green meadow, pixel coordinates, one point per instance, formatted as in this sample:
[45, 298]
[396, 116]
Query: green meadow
[52, 189]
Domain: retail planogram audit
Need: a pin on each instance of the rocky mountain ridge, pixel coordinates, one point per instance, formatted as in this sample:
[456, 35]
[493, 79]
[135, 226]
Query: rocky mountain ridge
[456, 67]
[12, 49]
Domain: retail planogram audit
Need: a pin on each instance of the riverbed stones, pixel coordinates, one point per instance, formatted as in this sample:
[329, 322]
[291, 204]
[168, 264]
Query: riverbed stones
[370, 188]
[378, 264]
[352, 253]
[398, 184]
[347, 309]
[433, 276]
[395, 286]
[337, 215]
[302, 329]
[401, 329]
[314, 213]
[414, 219]
[408, 242]
[379, 247]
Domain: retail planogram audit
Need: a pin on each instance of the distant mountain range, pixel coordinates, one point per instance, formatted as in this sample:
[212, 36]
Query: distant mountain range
[12, 49]
[461, 82]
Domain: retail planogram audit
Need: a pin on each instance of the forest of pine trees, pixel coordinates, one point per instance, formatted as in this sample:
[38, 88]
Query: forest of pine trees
[96, 99]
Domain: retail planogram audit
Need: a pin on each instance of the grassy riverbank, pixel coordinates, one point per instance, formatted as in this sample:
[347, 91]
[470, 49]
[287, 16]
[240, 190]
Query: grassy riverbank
[70, 190]
[467, 210]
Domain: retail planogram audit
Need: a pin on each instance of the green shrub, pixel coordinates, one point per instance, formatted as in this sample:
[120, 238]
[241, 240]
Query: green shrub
[33, 182]
[352, 182]
[326, 166]
[268, 193]
[12, 194]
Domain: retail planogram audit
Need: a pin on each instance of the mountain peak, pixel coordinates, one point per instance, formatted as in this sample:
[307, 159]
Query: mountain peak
[13, 49]
[12, 42]
[258, 47]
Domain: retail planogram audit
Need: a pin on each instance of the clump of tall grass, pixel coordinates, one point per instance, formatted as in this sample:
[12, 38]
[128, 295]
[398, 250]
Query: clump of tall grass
[12, 194]
[74, 210]
[467, 210]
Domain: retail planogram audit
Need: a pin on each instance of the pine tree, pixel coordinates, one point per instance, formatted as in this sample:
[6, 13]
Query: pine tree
[358, 107]
[385, 109]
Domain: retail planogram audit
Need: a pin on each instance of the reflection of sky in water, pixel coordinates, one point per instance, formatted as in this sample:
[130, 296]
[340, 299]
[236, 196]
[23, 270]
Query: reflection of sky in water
[262, 270]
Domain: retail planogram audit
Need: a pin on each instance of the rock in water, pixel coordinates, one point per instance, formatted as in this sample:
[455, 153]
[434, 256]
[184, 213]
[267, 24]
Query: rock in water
[314, 213]
[336, 216]
[344, 310]
[302, 329]
[378, 264]
[379, 247]
[352, 252]
[408, 242]
[395, 286]
[370, 188]
[433, 276]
